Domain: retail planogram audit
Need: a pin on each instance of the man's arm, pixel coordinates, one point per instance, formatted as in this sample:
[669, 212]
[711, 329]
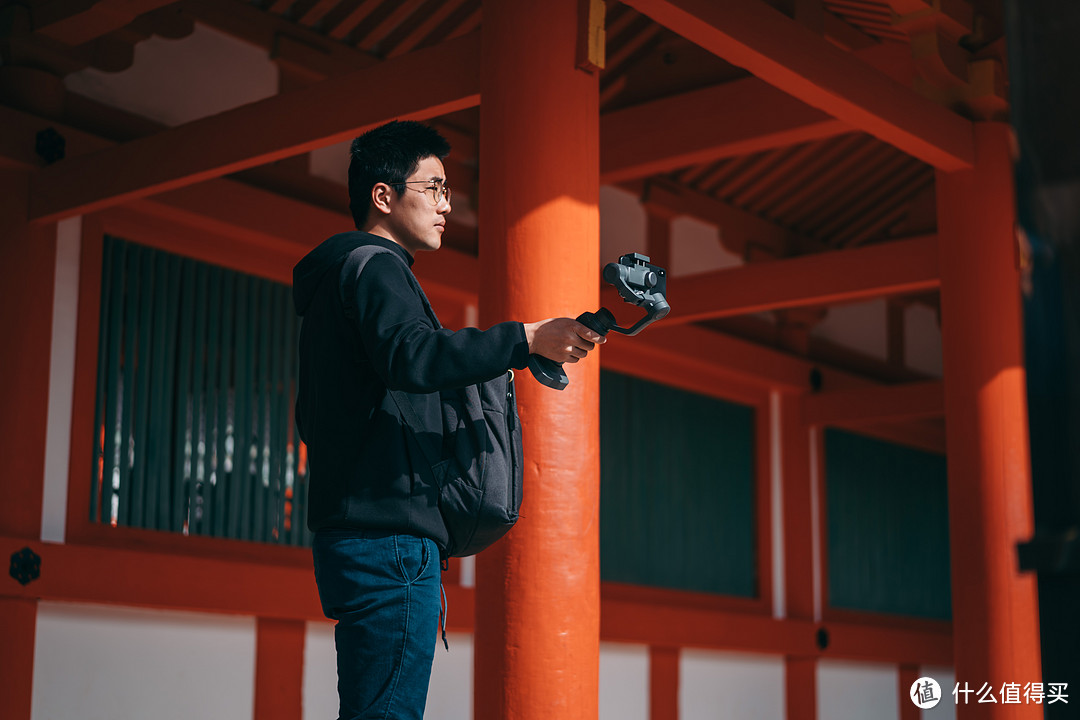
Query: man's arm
[410, 354]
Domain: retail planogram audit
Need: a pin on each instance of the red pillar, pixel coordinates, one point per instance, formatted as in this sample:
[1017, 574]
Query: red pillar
[27, 272]
[664, 683]
[538, 590]
[279, 669]
[995, 609]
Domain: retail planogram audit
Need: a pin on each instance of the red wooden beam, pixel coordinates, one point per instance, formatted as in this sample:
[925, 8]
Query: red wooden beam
[875, 404]
[795, 59]
[74, 22]
[735, 118]
[894, 268]
[264, 131]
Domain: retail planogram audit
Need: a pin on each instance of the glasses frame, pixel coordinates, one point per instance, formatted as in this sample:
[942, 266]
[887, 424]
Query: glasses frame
[441, 189]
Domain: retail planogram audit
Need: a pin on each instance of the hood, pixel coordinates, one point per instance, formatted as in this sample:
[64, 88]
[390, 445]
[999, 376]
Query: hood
[308, 273]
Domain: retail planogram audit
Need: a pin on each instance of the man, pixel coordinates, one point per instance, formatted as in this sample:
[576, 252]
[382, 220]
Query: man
[377, 529]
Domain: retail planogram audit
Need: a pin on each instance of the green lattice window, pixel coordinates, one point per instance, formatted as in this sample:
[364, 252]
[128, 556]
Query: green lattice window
[677, 500]
[195, 391]
[888, 527]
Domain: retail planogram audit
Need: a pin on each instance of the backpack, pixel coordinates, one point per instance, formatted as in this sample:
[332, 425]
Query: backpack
[480, 473]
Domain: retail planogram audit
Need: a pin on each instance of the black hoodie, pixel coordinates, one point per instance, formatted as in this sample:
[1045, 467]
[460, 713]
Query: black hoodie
[359, 470]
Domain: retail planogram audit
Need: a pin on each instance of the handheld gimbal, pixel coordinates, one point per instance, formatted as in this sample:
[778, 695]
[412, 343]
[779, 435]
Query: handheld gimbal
[638, 283]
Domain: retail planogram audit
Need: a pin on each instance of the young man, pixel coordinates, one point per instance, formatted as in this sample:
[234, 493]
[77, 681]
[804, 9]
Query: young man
[377, 529]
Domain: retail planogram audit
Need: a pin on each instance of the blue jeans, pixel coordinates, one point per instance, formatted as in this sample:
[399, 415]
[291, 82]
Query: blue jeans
[383, 591]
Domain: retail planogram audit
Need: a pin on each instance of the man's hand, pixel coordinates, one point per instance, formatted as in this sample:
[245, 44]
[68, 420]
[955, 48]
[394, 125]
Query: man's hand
[561, 339]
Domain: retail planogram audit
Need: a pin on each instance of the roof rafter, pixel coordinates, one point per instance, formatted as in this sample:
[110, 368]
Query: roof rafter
[701, 126]
[74, 22]
[792, 58]
[261, 132]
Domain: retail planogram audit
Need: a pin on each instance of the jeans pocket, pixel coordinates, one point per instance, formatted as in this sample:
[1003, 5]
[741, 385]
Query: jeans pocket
[413, 557]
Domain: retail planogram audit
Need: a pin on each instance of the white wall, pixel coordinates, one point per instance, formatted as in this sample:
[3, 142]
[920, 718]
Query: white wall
[103, 663]
[856, 691]
[622, 224]
[449, 694]
[696, 248]
[732, 686]
[922, 340]
[176, 81]
[624, 682]
[946, 678]
[859, 326]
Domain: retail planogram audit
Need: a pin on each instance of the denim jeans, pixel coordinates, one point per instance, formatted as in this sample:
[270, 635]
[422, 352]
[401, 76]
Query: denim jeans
[383, 591]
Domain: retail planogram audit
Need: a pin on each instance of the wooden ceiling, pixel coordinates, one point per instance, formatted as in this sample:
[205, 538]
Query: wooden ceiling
[677, 120]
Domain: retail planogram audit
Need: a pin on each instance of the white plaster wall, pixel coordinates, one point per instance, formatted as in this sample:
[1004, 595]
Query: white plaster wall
[856, 691]
[732, 686]
[449, 694]
[176, 81]
[946, 677]
[859, 326]
[61, 379]
[451, 689]
[696, 248]
[922, 340]
[622, 224]
[624, 682]
[103, 663]
[331, 162]
[320, 672]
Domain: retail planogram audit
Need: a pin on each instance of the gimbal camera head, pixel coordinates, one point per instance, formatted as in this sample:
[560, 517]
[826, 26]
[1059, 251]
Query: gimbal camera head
[638, 283]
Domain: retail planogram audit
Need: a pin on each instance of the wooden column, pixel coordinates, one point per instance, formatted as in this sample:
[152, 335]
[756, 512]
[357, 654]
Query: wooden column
[538, 590]
[664, 682]
[800, 673]
[279, 669]
[27, 276]
[995, 611]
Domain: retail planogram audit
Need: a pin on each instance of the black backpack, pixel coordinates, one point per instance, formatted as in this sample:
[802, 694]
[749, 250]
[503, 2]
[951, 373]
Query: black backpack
[480, 482]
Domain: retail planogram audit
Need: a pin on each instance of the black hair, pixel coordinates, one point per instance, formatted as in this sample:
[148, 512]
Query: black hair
[390, 154]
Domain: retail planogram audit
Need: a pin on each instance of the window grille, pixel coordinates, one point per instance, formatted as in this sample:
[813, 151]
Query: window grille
[887, 511]
[677, 490]
[196, 387]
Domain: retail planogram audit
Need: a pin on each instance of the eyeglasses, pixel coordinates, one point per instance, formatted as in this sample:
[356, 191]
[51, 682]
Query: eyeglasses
[439, 189]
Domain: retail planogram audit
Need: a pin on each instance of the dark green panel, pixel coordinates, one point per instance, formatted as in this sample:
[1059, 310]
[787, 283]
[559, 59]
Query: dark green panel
[888, 527]
[195, 389]
[677, 501]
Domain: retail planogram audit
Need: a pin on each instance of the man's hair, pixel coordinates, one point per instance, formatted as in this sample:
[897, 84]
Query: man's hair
[390, 154]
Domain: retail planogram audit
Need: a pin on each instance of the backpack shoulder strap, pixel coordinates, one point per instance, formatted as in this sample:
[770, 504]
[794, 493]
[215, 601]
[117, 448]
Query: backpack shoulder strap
[354, 264]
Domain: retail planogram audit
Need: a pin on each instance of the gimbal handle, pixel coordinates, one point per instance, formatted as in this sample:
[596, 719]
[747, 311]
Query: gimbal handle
[638, 283]
[550, 373]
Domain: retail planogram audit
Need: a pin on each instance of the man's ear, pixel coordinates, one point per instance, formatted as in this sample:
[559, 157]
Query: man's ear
[382, 197]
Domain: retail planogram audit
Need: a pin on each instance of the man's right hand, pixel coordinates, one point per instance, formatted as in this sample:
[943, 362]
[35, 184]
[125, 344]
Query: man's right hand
[561, 339]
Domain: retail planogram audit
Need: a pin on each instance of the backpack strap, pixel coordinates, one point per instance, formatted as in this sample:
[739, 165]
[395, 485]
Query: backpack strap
[354, 264]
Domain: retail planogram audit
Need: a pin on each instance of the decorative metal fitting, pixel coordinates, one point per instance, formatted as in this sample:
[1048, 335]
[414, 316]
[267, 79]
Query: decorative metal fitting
[50, 145]
[25, 566]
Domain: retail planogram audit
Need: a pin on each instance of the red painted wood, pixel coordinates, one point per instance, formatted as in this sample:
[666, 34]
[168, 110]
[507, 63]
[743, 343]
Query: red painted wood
[995, 609]
[27, 273]
[800, 685]
[279, 669]
[797, 60]
[18, 627]
[538, 590]
[908, 709]
[663, 683]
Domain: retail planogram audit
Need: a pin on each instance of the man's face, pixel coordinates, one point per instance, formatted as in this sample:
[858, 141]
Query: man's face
[416, 221]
